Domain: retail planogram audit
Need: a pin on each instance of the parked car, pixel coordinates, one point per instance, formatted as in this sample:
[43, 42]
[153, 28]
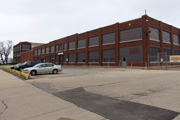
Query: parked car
[14, 66]
[26, 65]
[43, 68]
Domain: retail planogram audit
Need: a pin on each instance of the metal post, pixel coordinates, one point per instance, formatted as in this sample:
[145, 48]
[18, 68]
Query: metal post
[158, 60]
[166, 61]
[148, 62]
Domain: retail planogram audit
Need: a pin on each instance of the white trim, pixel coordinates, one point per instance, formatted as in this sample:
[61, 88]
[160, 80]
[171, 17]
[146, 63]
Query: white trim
[166, 42]
[60, 53]
[154, 40]
[81, 62]
[93, 62]
[130, 40]
[81, 47]
[176, 44]
[72, 49]
[108, 62]
[93, 46]
[109, 43]
[71, 62]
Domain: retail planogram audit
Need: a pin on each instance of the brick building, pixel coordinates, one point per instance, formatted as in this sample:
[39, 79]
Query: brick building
[22, 51]
[120, 44]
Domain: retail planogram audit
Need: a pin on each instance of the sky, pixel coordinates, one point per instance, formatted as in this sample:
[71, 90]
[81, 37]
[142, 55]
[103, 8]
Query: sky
[43, 21]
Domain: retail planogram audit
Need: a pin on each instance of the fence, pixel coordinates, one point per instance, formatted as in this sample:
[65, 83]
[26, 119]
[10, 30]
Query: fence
[15, 72]
[162, 61]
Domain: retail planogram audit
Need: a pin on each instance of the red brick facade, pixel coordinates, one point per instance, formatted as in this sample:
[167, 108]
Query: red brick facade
[144, 22]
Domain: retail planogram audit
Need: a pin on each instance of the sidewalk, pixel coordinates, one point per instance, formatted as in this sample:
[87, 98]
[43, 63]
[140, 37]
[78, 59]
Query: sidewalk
[22, 101]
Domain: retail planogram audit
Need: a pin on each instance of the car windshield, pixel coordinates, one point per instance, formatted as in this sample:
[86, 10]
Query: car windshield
[28, 63]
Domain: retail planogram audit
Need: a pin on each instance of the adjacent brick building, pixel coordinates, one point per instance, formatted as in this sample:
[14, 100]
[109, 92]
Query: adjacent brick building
[22, 51]
[120, 44]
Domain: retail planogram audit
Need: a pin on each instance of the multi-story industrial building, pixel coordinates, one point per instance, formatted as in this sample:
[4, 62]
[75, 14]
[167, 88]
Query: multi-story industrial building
[21, 49]
[120, 44]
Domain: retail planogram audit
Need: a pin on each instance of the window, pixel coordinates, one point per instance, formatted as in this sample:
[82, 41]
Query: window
[47, 50]
[94, 56]
[133, 54]
[93, 41]
[154, 51]
[176, 39]
[26, 47]
[154, 34]
[64, 58]
[82, 43]
[43, 65]
[109, 55]
[166, 37]
[108, 38]
[131, 34]
[39, 52]
[46, 58]
[65, 46]
[52, 49]
[71, 45]
[167, 51]
[60, 47]
[176, 52]
[72, 58]
[49, 65]
[43, 51]
[35, 52]
[57, 47]
[81, 57]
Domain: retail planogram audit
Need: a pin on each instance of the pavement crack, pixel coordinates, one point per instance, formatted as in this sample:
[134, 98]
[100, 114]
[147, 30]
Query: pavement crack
[4, 108]
[49, 112]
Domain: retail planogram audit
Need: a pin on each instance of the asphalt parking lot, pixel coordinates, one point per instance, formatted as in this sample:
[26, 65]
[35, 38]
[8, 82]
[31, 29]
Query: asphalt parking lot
[154, 88]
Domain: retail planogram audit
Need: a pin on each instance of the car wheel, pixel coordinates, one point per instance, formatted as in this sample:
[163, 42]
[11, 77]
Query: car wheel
[55, 71]
[33, 72]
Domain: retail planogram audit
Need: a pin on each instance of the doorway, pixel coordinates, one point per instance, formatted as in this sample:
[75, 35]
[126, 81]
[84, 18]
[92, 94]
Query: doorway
[124, 61]
[60, 59]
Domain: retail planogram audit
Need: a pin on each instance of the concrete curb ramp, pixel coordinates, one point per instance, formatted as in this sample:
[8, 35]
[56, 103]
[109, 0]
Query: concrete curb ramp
[22, 101]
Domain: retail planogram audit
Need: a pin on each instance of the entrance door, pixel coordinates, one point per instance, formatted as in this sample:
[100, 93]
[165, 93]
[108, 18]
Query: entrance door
[124, 61]
[60, 59]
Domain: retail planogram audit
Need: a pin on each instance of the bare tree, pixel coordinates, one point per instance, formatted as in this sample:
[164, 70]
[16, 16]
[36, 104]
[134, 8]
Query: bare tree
[1, 51]
[7, 50]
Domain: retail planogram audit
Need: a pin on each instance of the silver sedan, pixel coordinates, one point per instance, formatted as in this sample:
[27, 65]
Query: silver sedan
[43, 68]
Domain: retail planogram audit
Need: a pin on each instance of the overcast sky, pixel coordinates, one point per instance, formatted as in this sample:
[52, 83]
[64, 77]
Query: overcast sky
[47, 20]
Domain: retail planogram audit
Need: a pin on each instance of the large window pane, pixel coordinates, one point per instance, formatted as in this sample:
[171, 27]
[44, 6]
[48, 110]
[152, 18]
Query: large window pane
[82, 43]
[47, 50]
[64, 58]
[154, 34]
[109, 38]
[176, 39]
[109, 55]
[94, 41]
[166, 37]
[131, 34]
[176, 52]
[94, 56]
[133, 54]
[52, 49]
[72, 58]
[82, 57]
[26, 47]
[65, 46]
[71, 45]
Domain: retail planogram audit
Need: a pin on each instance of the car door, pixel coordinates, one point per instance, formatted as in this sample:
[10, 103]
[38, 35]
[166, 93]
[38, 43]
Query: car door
[41, 69]
[49, 68]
